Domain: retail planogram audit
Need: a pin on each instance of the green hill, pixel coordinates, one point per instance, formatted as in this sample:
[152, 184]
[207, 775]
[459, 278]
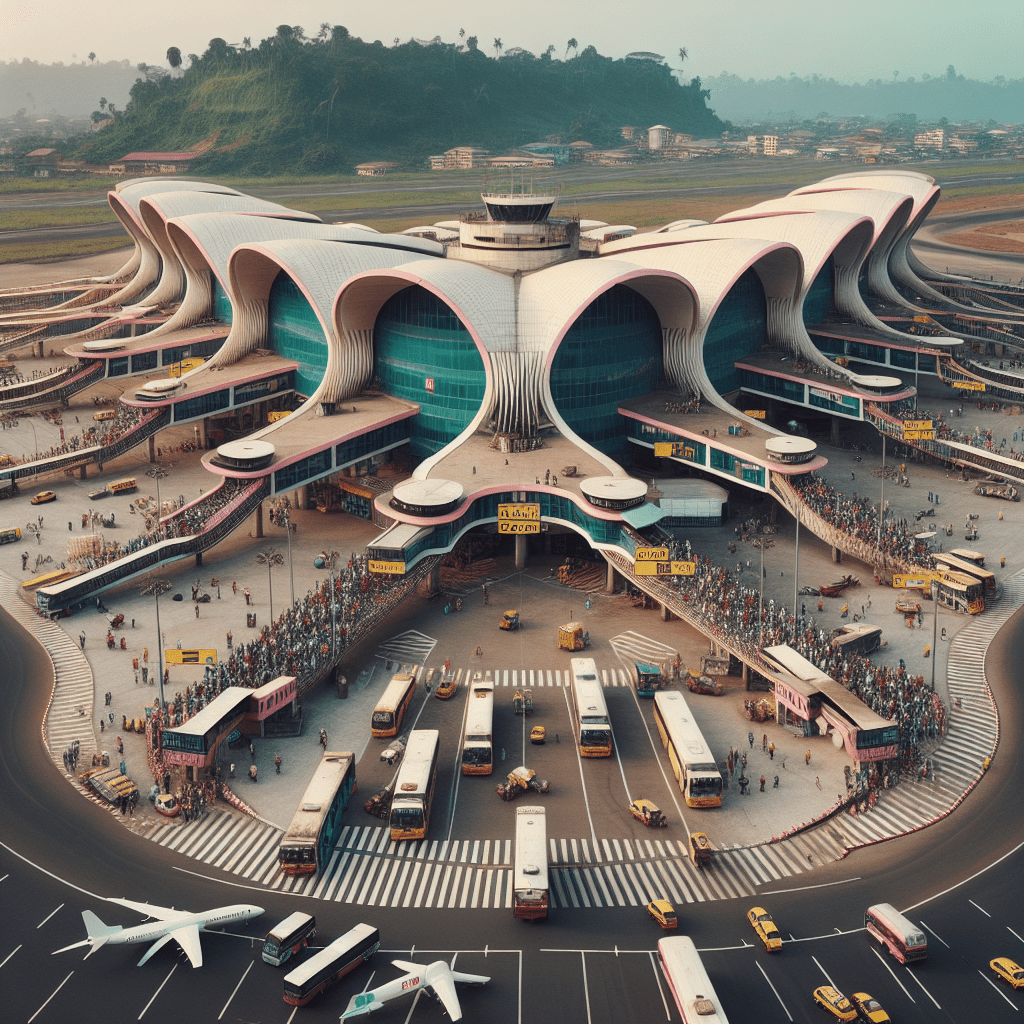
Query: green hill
[292, 105]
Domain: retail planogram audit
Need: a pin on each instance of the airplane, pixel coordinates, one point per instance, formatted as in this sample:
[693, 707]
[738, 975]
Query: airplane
[437, 977]
[169, 924]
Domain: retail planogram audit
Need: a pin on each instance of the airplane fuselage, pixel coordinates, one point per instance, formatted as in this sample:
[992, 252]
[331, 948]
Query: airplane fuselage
[205, 922]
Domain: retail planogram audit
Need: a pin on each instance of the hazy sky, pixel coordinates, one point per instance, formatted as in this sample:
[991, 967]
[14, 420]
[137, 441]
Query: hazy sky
[854, 40]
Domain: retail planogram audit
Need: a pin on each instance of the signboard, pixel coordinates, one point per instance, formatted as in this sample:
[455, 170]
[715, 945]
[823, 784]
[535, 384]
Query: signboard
[202, 656]
[665, 568]
[918, 435]
[968, 385]
[519, 518]
[918, 424]
[430, 384]
[675, 450]
[911, 581]
[391, 568]
[651, 554]
[754, 414]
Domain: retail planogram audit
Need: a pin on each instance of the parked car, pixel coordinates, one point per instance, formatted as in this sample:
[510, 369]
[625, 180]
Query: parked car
[664, 913]
[835, 1002]
[762, 923]
[1012, 973]
[43, 497]
[869, 1008]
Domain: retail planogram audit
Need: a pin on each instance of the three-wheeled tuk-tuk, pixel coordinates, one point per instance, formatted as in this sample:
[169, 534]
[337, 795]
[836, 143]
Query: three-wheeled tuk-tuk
[573, 637]
[648, 813]
[700, 849]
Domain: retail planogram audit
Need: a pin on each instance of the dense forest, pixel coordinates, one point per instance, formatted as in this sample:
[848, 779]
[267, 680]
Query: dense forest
[928, 98]
[294, 104]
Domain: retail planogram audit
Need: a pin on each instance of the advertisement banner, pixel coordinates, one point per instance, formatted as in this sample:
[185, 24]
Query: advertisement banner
[390, 568]
[200, 656]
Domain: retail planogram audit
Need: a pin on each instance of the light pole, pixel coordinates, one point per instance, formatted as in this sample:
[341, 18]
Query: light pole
[270, 557]
[332, 559]
[283, 518]
[157, 473]
[156, 587]
[762, 542]
[796, 568]
[935, 627]
[881, 501]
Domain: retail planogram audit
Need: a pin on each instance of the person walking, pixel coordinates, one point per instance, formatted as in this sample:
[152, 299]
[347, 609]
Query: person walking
[252, 750]
[252, 772]
[807, 757]
[81, 640]
[750, 740]
[763, 780]
[764, 743]
[775, 784]
[771, 751]
[277, 763]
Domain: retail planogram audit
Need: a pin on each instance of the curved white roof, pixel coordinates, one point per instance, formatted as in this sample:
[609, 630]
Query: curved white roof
[601, 233]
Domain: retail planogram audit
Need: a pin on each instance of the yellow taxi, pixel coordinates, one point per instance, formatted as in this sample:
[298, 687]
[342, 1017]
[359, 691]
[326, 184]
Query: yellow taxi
[762, 923]
[43, 497]
[869, 1008]
[1005, 968]
[664, 913]
[538, 734]
[835, 1002]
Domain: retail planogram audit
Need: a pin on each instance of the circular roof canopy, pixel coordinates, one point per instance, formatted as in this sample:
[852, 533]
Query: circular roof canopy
[246, 450]
[428, 497]
[875, 380]
[104, 345]
[790, 449]
[614, 492]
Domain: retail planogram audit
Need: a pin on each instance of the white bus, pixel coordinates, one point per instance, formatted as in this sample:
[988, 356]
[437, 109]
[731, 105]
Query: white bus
[390, 710]
[530, 879]
[691, 988]
[691, 759]
[593, 726]
[414, 789]
[899, 935]
[334, 961]
[477, 748]
[287, 937]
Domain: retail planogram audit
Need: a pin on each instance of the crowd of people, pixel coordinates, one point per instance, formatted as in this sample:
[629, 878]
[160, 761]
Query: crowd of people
[100, 435]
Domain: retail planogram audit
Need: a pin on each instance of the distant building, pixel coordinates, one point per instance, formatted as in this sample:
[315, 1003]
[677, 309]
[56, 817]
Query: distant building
[43, 162]
[657, 136]
[374, 169]
[155, 163]
[771, 145]
[558, 151]
[460, 158]
[935, 139]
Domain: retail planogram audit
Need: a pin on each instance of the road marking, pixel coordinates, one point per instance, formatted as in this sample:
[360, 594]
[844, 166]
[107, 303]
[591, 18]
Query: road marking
[924, 990]
[775, 990]
[881, 960]
[823, 971]
[982, 909]
[9, 955]
[586, 988]
[657, 978]
[235, 990]
[52, 994]
[943, 941]
[47, 918]
[802, 888]
[156, 993]
[1008, 928]
[992, 983]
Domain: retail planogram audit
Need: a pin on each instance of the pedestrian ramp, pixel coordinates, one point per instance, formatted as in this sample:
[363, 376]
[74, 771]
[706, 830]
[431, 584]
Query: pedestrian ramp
[632, 646]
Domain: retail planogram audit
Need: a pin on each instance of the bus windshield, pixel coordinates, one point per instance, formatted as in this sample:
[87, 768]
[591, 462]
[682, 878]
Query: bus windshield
[476, 755]
[406, 815]
[705, 785]
[594, 737]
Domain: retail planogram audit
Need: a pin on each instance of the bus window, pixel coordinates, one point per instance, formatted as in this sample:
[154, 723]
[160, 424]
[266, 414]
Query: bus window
[287, 938]
[900, 936]
[11, 536]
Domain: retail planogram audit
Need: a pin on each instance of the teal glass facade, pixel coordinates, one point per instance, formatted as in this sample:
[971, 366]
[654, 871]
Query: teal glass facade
[610, 354]
[220, 305]
[295, 332]
[820, 301]
[738, 329]
[426, 355]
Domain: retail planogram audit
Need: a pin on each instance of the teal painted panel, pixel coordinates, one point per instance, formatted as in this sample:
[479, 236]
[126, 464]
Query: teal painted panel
[295, 332]
[738, 329]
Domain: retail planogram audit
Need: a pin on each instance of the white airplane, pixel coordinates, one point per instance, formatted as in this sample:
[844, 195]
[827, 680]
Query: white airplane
[437, 977]
[169, 924]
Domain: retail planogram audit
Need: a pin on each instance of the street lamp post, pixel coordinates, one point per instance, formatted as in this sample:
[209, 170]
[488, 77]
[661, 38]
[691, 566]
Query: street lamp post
[156, 587]
[283, 518]
[157, 473]
[935, 627]
[270, 557]
[881, 501]
[762, 542]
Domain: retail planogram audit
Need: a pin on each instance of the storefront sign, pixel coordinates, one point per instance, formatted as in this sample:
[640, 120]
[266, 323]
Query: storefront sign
[523, 517]
[391, 568]
[177, 656]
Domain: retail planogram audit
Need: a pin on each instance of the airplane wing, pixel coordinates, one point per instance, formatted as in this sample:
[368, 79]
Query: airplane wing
[149, 910]
[443, 985]
[188, 939]
[159, 944]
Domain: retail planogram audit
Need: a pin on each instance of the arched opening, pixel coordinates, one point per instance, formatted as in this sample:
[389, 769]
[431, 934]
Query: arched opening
[738, 328]
[295, 332]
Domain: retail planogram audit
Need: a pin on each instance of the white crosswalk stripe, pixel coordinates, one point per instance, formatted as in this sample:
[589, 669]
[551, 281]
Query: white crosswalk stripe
[408, 646]
[518, 679]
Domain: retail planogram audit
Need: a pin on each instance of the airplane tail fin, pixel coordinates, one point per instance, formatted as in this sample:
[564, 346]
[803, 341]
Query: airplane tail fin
[98, 933]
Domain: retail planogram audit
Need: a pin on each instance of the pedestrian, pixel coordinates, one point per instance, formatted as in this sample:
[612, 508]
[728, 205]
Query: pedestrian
[277, 763]
[821, 604]
[807, 757]
[817, 781]
[762, 783]
[764, 743]
[70, 527]
[744, 785]
[853, 476]
[771, 751]
[81, 640]
[234, 587]
[252, 750]
[775, 784]
[750, 739]
[103, 725]
[145, 655]
[197, 609]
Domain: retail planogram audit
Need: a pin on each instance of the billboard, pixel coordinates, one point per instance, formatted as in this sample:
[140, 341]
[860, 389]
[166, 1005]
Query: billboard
[194, 656]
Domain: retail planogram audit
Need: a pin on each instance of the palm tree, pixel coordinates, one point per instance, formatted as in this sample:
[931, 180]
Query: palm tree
[325, 31]
[174, 57]
[683, 54]
[497, 48]
[247, 42]
[92, 57]
[571, 45]
[103, 103]
[270, 557]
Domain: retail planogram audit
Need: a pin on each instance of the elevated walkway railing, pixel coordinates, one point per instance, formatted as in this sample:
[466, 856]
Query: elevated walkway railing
[217, 524]
[53, 389]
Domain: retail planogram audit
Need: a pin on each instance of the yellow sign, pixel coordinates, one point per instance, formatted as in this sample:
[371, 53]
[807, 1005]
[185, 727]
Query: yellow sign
[665, 568]
[912, 582]
[754, 414]
[968, 385]
[663, 449]
[277, 414]
[651, 554]
[918, 435]
[519, 518]
[918, 424]
[922, 319]
[176, 656]
[391, 568]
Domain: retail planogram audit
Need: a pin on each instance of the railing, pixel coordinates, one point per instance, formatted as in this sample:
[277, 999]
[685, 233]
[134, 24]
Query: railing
[52, 389]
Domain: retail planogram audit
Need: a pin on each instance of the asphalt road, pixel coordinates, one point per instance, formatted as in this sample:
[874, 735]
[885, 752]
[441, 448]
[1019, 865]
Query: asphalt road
[60, 852]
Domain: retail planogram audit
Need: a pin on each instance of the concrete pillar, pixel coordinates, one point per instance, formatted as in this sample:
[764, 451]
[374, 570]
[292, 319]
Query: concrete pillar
[837, 555]
[609, 583]
[836, 431]
[300, 499]
[199, 558]
[259, 520]
[666, 614]
[434, 579]
[82, 475]
[201, 437]
[38, 347]
[151, 448]
[520, 551]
